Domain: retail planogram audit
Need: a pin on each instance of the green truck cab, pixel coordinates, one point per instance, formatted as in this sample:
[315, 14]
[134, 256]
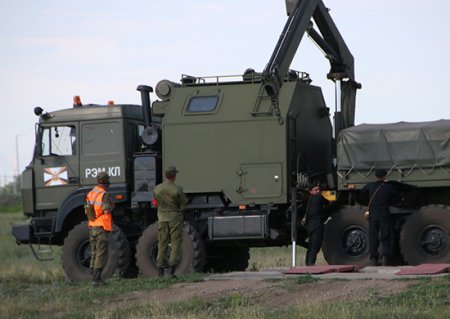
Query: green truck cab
[72, 146]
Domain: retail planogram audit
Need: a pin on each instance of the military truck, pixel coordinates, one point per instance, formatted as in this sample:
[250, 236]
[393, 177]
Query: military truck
[245, 146]
[417, 159]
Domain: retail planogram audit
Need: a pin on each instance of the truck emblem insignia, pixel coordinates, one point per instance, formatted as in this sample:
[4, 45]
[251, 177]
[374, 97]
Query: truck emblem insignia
[54, 176]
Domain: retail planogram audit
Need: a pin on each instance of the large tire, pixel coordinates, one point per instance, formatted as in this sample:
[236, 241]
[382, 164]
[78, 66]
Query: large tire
[132, 270]
[229, 258]
[346, 240]
[425, 236]
[76, 253]
[192, 253]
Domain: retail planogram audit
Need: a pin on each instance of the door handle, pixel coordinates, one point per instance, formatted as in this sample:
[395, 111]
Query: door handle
[74, 180]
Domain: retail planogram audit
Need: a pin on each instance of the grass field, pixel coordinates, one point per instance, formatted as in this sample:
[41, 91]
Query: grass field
[32, 289]
[17, 262]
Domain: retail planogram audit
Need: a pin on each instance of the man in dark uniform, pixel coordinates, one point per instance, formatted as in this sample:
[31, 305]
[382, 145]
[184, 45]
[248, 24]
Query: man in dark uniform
[100, 226]
[170, 200]
[316, 216]
[381, 196]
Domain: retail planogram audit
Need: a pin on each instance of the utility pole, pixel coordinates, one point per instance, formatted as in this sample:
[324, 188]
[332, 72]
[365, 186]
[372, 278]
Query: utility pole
[16, 168]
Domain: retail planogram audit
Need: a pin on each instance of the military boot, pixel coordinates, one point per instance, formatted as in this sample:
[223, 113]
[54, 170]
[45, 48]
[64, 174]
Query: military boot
[161, 272]
[374, 261]
[97, 280]
[94, 280]
[172, 272]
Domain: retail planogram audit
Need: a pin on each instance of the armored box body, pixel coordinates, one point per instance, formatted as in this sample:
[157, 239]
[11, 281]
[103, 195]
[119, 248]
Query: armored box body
[227, 138]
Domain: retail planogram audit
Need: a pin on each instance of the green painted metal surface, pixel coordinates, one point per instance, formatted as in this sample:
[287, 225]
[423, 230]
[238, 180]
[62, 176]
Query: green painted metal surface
[242, 148]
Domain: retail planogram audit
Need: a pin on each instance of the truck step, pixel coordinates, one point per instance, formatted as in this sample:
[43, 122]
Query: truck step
[42, 227]
[41, 253]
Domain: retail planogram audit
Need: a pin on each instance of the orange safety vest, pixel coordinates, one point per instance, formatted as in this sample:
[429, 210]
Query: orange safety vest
[95, 198]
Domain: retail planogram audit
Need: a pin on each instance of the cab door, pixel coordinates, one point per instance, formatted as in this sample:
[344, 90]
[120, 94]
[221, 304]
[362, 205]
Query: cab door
[102, 149]
[56, 164]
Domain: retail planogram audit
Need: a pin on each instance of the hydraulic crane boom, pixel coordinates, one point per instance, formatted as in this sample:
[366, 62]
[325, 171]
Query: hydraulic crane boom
[331, 43]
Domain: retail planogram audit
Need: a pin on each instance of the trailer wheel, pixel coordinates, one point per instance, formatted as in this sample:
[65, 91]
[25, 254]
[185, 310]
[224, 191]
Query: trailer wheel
[346, 239]
[223, 259]
[76, 253]
[425, 236]
[192, 253]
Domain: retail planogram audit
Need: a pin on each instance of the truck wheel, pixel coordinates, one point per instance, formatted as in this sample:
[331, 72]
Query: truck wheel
[223, 259]
[346, 240]
[192, 253]
[132, 270]
[425, 236]
[76, 253]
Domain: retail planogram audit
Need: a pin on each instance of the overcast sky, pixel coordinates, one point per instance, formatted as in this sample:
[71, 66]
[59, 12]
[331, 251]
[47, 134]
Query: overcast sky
[102, 50]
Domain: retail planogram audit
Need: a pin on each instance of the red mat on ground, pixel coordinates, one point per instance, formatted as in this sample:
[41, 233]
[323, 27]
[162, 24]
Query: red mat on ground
[321, 269]
[425, 269]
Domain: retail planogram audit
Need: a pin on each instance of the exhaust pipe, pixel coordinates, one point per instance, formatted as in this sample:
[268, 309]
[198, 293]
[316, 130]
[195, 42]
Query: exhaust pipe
[145, 98]
[151, 134]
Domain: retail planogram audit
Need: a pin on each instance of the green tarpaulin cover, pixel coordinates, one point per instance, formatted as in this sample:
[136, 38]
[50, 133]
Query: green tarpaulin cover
[402, 145]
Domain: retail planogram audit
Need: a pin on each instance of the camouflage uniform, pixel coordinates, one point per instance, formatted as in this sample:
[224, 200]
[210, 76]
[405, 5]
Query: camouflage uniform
[100, 227]
[171, 201]
[99, 237]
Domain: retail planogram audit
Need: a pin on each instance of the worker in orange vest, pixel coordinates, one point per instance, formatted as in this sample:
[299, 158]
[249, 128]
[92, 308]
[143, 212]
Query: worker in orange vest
[100, 226]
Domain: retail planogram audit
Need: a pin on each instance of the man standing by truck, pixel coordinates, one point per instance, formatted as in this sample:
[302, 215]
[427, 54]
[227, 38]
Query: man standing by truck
[381, 196]
[316, 215]
[170, 200]
[100, 226]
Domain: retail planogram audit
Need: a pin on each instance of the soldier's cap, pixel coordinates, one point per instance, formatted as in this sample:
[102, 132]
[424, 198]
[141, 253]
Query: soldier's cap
[380, 173]
[171, 170]
[103, 178]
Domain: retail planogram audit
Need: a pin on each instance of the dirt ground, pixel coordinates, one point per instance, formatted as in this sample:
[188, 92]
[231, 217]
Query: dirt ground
[272, 294]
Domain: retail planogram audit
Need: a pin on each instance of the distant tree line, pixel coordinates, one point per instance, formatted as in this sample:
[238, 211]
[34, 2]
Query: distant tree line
[10, 198]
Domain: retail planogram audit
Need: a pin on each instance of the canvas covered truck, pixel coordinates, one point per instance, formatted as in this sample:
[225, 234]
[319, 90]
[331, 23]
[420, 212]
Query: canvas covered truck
[245, 147]
[417, 159]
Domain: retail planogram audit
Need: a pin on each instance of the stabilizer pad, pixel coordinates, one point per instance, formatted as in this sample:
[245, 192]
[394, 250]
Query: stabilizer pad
[325, 269]
[425, 269]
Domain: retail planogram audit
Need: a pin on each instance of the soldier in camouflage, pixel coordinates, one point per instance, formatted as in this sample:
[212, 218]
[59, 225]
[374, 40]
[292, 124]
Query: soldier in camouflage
[100, 227]
[170, 200]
